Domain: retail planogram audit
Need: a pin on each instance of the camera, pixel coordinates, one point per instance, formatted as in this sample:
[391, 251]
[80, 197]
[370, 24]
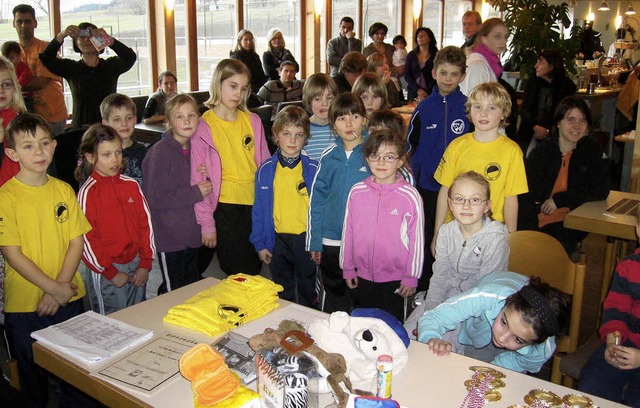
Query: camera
[85, 32]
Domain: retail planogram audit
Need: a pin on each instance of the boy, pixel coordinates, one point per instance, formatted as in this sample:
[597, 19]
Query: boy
[279, 213]
[437, 120]
[487, 152]
[41, 237]
[11, 50]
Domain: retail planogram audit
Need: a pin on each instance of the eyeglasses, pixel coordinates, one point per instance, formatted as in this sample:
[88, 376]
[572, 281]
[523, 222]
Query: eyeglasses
[387, 159]
[473, 201]
[7, 86]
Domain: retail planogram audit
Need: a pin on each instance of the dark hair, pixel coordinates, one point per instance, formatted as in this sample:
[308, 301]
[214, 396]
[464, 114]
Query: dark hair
[353, 62]
[399, 38]
[386, 118]
[384, 136]
[84, 26]
[480, 180]
[375, 27]
[10, 47]
[346, 103]
[115, 101]
[291, 116]
[166, 73]
[24, 9]
[475, 14]
[451, 55]
[25, 123]
[572, 102]
[541, 306]
[347, 19]
[91, 139]
[554, 58]
[287, 62]
[433, 47]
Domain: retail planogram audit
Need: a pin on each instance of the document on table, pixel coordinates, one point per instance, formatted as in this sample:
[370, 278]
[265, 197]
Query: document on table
[91, 337]
[152, 365]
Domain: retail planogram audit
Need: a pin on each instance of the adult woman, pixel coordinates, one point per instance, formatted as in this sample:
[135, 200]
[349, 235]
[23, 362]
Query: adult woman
[167, 87]
[378, 63]
[483, 63]
[378, 32]
[419, 65]
[543, 93]
[563, 172]
[245, 51]
[276, 54]
[91, 78]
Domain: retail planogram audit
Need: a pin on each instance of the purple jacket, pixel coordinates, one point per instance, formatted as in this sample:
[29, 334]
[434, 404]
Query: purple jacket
[204, 151]
[383, 233]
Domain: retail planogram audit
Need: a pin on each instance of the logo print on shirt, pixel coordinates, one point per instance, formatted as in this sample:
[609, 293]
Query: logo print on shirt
[394, 211]
[247, 142]
[61, 212]
[130, 200]
[492, 171]
[457, 126]
[364, 169]
[301, 188]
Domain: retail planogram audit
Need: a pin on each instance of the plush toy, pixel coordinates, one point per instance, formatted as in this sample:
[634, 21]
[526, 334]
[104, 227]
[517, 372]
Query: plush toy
[361, 340]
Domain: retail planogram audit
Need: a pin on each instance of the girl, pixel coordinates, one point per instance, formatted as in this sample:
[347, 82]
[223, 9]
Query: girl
[507, 319]
[154, 111]
[317, 95]
[11, 104]
[230, 143]
[378, 63]
[166, 170]
[382, 240]
[119, 249]
[371, 89]
[400, 54]
[468, 248]
[341, 166]
[276, 54]
[245, 52]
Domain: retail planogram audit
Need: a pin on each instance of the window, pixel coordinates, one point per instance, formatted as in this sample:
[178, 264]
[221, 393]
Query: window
[453, 11]
[340, 9]
[384, 11]
[216, 36]
[431, 14]
[42, 32]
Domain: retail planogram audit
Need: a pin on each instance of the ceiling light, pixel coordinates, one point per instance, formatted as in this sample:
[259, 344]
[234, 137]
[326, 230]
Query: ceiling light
[573, 3]
[630, 10]
[604, 6]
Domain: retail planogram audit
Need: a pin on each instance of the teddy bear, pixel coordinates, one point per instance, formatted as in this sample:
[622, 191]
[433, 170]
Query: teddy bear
[361, 338]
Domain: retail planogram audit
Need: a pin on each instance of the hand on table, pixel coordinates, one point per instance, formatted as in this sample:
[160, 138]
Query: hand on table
[439, 347]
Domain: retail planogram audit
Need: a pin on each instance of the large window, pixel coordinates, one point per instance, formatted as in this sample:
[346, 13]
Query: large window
[8, 33]
[384, 11]
[343, 8]
[451, 11]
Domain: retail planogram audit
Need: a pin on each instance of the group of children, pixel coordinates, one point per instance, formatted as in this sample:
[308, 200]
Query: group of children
[335, 197]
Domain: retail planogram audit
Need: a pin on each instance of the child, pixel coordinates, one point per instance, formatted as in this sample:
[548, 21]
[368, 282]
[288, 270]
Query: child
[167, 173]
[12, 51]
[436, 121]
[341, 166]
[468, 248]
[119, 249]
[279, 215]
[377, 63]
[230, 143]
[11, 105]
[318, 93]
[382, 249]
[507, 319]
[613, 370]
[400, 54]
[119, 112]
[487, 152]
[373, 92]
[41, 238]
[387, 119]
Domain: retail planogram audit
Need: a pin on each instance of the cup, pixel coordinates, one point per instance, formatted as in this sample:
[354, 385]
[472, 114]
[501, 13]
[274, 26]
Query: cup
[591, 88]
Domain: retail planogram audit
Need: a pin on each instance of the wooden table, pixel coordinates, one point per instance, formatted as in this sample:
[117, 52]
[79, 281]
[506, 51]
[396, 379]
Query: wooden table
[406, 112]
[428, 381]
[619, 228]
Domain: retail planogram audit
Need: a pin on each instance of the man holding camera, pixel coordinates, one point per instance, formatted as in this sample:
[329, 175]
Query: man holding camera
[345, 42]
[47, 87]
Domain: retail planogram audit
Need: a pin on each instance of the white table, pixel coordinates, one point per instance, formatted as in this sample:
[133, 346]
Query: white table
[427, 382]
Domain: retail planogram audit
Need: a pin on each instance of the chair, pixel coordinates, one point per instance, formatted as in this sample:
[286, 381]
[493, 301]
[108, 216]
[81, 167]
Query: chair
[535, 253]
[141, 102]
[264, 112]
[283, 105]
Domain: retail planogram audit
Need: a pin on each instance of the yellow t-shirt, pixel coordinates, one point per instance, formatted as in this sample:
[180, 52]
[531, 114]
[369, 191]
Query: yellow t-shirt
[236, 147]
[499, 161]
[290, 200]
[41, 220]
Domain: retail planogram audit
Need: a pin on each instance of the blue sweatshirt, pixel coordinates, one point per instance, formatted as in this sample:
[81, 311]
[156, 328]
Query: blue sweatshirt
[436, 121]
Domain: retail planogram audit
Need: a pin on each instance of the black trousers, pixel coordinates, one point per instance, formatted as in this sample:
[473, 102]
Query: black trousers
[235, 252]
[179, 268]
[429, 202]
[292, 267]
[338, 296]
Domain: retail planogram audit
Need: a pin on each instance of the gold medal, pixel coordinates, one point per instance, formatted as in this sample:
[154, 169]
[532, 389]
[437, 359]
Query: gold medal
[577, 401]
[546, 397]
[487, 370]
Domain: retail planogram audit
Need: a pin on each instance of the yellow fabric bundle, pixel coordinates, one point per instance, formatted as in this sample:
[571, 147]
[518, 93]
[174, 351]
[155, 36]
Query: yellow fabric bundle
[243, 398]
[236, 300]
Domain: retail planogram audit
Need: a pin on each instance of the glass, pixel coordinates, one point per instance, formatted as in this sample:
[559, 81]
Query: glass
[8, 32]
[452, 30]
[473, 201]
[387, 158]
[340, 9]
[384, 11]
[7, 86]
[431, 14]
[216, 37]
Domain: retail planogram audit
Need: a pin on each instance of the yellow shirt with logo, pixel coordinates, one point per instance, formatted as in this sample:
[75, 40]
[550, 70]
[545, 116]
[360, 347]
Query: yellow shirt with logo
[290, 200]
[41, 220]
[499, 161]
[236, 147]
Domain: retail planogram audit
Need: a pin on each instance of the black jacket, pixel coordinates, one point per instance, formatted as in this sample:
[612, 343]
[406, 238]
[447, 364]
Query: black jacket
[252, 61]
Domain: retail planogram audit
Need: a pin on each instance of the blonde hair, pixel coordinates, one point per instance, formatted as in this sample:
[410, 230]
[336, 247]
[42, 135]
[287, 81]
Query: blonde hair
[370, 80]
[376, 60]
[225, 70]
[495, 93]
[175, 102]
[288, 117]
[478, 179]
[239, 36]
[272, 33]
[17, 102]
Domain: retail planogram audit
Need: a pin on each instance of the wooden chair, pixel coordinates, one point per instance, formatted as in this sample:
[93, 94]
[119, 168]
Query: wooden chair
[534, 253]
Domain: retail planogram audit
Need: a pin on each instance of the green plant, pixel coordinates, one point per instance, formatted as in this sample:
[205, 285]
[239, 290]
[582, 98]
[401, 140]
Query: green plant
[536, 26]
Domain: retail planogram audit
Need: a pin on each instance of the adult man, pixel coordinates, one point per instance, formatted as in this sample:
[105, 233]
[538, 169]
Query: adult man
[285, 89]
[471, 23]
[345, 42]
[351, 67]
[47, 88]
